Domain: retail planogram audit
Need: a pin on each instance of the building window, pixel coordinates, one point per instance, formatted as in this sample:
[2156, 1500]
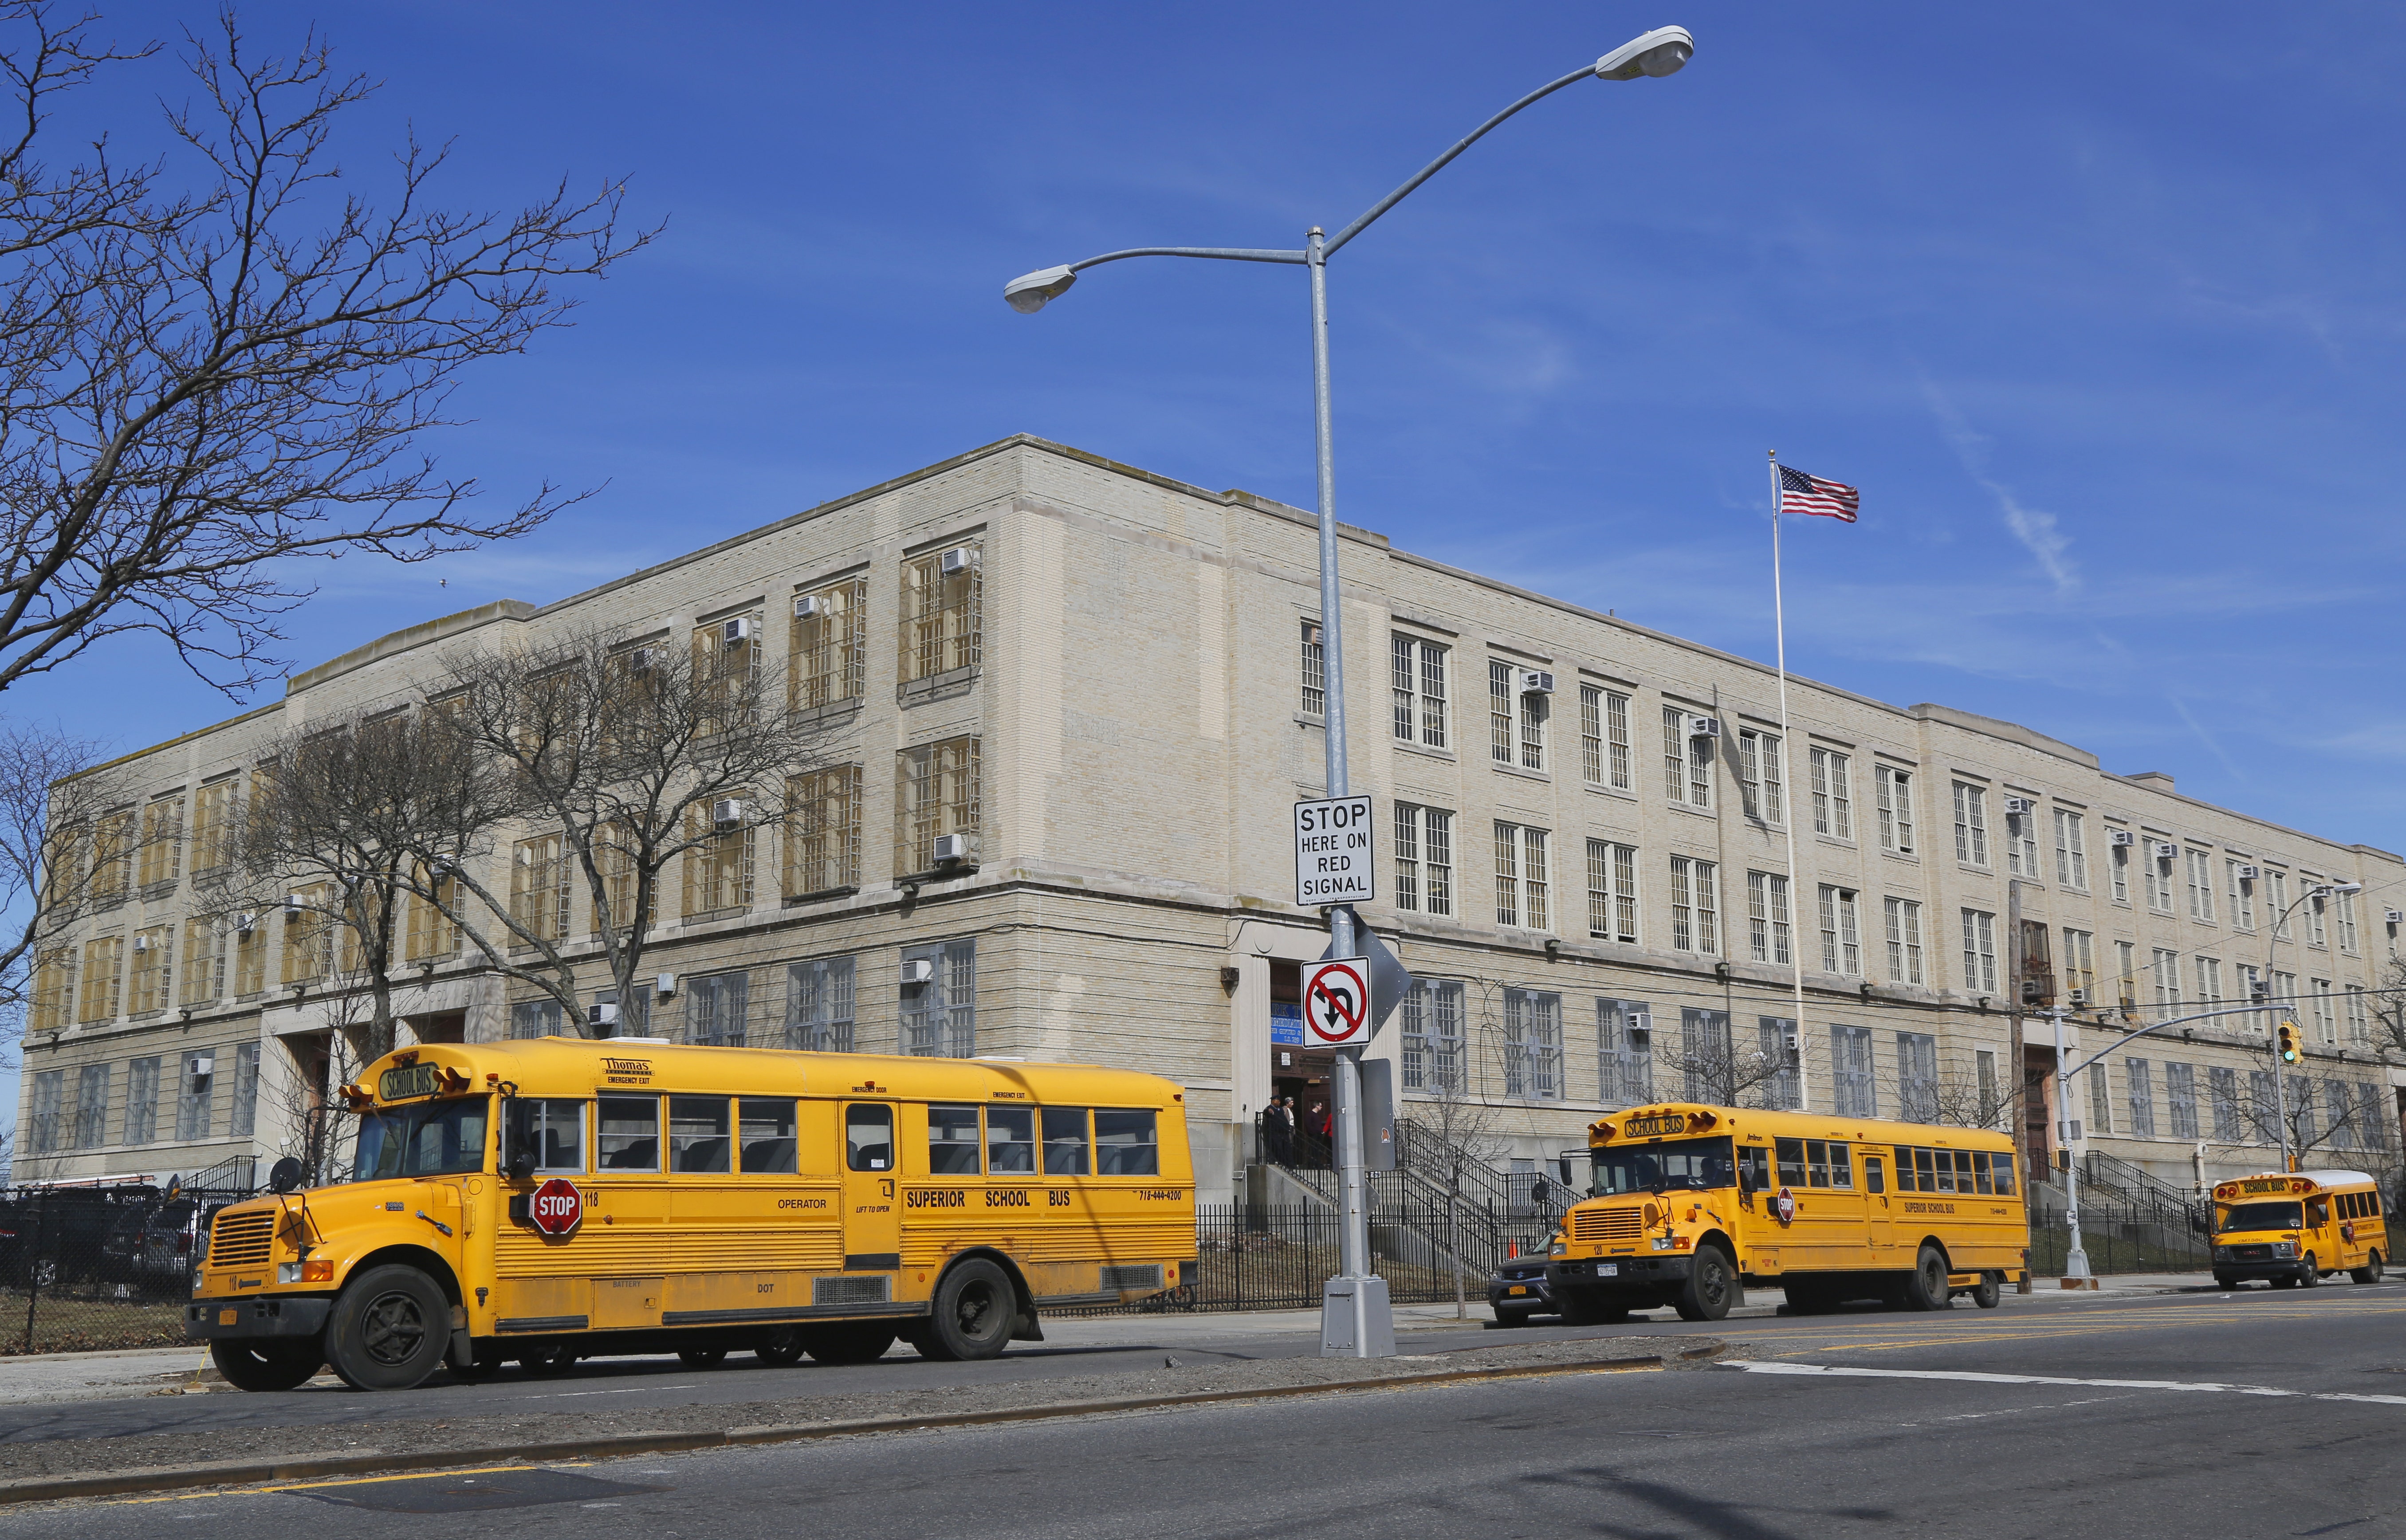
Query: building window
[2347, 923]
[100, 983]
[2222, 1088]
[1533, 1045]
[541, 887]
[1537, 707]
[141, 1101]
[719, 863]
[1774, 1037]
[1611, 891]
[1521, 885]
[1903, 941]
[2125, 973]
[1762, 782]
[1971, 825]
[726, 670]
[212, 808]
[2284, 995]
[2241, 892]
[715, 1010]
[818, 1006]
[823, 831]
[2180, 1100]
[2276, 899]
[250, 960]
[1604, 737]
[43, 1124]
[2342, 1105]
[1832, 798]
[2316, 936]
[2071, 849]
[163, 838]
[153, 969]
[53, 1002]
[2158, 871]
[2359, 1025]
[1423, 859]
[1500, 711]
[2080, 963]
[1892, 793]
[2117, 865]
[112, 857]
[2139, 1097]
[1769, 921]
[936, 795]
[1314, 673]
[91, 1129]
[2371, 1116]
[1687, 760]
[1984, 1071]
[2167, 972]
[2021, 842]
[2201, 885]
[1695, 905]
[245, 1116]
[1706, 1056]
[538, 1018]
[1432, 1045]
[827, 651]
[941, 615]
[2209, 982]
[1420, 691]
[1842, 938]
[1624, 1032]
[940, 1011]
[204, 975]
[1851, 1078]
[2325, 1024]
[1979, 952]
[2101, 1102]
[197, 1082]
[1917, 1076]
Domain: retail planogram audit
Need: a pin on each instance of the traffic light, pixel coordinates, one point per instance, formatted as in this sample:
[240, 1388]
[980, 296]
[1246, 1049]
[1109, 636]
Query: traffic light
[2289, 1042]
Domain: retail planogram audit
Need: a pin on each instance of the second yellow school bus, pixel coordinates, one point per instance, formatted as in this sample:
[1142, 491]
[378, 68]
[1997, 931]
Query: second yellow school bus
[2300, 1227]
[1691, 1202]
[564, 1197]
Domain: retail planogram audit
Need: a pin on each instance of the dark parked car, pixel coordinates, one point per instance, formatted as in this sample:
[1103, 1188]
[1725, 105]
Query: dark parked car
[1518, 1291]
[152, 1245]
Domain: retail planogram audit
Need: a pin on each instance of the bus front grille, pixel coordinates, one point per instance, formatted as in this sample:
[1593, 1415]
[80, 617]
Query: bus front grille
[241, 1240]
[1590, 1225]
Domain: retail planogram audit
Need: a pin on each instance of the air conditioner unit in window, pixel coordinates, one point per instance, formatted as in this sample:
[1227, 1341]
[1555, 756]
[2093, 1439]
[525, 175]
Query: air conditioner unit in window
[142, 943]
[1537, 682]
[806, 606]
[245, 923]
[664, 985]
[1790, 1042]
[2080, 996]
[602, 1013]
[2122, 837]
[1640, 1029]
[735, 630]
[2395, 916]
[644, 659]
[725, 810]
[2164, 851]
[952, 847]
[2017, 806]
[200, 1066]
[919, 970]
[292, 906]
[959, 559]
[1703, 726]
[2249, 873]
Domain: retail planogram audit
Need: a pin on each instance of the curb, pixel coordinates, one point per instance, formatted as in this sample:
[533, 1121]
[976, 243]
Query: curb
[229, 1472]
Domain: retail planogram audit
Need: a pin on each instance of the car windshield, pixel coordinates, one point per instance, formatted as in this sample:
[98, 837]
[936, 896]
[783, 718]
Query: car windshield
[1688, 1165]
[2261, 1216]
[422, 1140]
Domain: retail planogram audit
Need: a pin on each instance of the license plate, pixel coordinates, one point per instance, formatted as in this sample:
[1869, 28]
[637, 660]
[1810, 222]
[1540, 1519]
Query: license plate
[1608, 1269]
[227, 1318]
[1517, 1288]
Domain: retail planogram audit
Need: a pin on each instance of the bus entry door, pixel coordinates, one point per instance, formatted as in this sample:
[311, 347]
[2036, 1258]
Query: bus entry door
[872, 1219]
[1879, 1218]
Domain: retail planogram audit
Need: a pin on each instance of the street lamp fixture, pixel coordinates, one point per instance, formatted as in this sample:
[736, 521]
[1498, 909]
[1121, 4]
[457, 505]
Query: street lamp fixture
[1031, 293]
[1666, 50]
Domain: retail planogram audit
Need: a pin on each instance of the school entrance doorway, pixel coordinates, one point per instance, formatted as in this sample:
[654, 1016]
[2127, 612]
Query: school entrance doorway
[1300, 1078]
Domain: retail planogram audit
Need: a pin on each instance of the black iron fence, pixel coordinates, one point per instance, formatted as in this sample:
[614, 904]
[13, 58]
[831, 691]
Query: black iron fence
[2121, 1237]
[99, 1267]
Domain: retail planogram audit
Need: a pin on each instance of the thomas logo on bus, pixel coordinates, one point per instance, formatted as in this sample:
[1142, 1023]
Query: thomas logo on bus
[557, 1207]
[1654, 1125]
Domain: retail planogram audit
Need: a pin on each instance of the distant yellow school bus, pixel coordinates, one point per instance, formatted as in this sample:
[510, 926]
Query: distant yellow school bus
[2295, 1227]
[1690, 1203]
[561, 1199]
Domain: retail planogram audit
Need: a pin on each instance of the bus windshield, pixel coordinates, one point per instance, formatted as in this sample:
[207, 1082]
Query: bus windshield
[1691, 1166]
[423, 1140]
[2261, 1216]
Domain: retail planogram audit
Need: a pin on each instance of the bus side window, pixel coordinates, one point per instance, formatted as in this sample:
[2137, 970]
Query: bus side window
[1925, 1171]
[953, 1141]
[1963, 1164]
[630, 1137]
[1754, 1162]
[699, 1138]
[868, 1137]
[1065, 1142]
[1791, 1162]
[768, 1129]
[1817, 1162]
[1903, 1168]
[1009, 1141]
[2002, 1163]
[1126, 1144]
[549, 1131]
[1979, 1160]
[1875, 1175]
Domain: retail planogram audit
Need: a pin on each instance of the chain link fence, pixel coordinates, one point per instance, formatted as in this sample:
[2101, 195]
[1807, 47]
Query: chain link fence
[83, 1268]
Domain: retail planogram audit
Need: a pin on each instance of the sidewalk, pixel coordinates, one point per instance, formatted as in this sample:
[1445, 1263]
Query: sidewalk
[106, 1376]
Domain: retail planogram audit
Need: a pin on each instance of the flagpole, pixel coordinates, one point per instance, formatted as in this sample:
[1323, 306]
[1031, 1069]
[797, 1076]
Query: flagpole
[1787, 789]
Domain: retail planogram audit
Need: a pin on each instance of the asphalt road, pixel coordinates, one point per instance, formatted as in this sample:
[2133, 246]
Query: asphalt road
[2180, 1415]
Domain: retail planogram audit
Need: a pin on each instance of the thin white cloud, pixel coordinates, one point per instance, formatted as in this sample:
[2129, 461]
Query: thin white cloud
[2207, 739]
[2036, 528]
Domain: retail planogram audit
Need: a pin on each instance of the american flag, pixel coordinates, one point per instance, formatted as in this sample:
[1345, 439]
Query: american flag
[1802, 494]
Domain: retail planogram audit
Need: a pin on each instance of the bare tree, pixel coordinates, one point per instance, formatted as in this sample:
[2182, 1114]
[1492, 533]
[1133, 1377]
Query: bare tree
[2331, 1116]
[1453, 1139]
[65, 850]
[1714, 1068]
[633, 759]
[197, 388]
[2389, 1006]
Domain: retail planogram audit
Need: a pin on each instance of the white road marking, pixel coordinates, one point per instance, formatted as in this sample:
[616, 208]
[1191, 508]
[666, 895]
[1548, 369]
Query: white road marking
[1974, 1377]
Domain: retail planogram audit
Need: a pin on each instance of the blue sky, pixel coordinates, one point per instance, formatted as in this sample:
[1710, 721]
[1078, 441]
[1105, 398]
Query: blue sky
[2098, 304]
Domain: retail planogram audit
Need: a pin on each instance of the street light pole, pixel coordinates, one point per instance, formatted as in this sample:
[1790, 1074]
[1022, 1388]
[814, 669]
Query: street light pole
[2075, 1257]
[2272, 938]
[1356, 1321]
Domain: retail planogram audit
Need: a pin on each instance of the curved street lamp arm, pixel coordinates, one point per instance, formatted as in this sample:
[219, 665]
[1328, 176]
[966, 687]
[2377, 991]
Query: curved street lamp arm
[2158, 1026]
[1392, 199]
[1233, 254]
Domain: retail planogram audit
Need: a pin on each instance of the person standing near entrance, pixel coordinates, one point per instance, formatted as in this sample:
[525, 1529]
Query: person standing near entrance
[1281, 1127]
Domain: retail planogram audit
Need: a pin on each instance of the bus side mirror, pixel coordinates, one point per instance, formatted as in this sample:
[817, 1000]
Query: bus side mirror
[284, 1175]
[1746, 1180]
[521, 1166]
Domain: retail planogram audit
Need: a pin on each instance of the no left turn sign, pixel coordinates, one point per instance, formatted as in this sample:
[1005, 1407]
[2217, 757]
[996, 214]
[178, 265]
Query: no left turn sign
[1336, 1003]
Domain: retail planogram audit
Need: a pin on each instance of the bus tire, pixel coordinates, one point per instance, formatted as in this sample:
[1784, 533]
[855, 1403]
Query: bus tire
[1712, 1286]
[269, 1366]
[853, 1342]
[972, 1314]
[781, 1348]
[1925, 1287]
[2368, 1273]
[2310, 1276]
[389, 1330]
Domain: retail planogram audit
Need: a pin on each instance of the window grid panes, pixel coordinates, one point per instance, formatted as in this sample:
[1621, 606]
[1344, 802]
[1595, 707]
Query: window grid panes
[1695, 905]
[1770, 923]
[1611, 891]
[1903, 924]
[1842, 941]
[1418, 669]
[1971, 825]
[1833, 800]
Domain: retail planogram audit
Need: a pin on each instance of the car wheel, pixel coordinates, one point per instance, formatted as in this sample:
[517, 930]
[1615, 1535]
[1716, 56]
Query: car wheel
[972, 1314]
[1989, 1292]
[1712, 1286]
[388, 1330]
[702, 1358]
[270, 1366]
[781, 1348]
[2371, 1271]
[855, 1342]
[1925, 1287]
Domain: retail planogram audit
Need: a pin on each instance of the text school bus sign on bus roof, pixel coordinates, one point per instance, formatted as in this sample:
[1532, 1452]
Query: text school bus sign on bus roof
[1334, 853]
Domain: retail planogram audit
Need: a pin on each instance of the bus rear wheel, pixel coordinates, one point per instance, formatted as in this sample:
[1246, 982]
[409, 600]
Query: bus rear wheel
[781, 1348]
[269, 1366]
[388, 1330]
[2368, 1273]
[975, 1309]
[1712, 1286]
[1989, 1292]
[1925, 1287]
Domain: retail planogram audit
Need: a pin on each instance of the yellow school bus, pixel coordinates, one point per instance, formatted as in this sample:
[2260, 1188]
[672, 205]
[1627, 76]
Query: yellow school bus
[1689, 1203]
[2294, 1227]
[559, 1198]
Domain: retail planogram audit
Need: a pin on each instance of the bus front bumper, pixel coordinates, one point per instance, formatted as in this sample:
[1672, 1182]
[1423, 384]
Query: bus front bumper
[2250, 1272]
[258, 1316]
[1616, 1275]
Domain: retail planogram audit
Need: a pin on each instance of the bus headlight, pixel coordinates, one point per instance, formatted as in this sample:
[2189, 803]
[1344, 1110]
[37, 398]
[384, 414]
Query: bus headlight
[2284, 1248]
[318, 1270]
[1664, 1243]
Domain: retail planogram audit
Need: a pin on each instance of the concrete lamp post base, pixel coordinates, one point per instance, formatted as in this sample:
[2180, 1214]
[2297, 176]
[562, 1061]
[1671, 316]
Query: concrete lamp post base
[1354, 1319]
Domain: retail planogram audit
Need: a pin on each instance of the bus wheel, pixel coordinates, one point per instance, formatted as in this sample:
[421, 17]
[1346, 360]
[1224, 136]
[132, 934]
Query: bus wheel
[2368, 1273]
[2310, 1276]
[1712, 1286]
[971, 1319]
[543, 1362]
[388, 1330]
[1989, 1292]
[1925, 1287]
[855, 1342]
[781, 1348]
[270, 1366]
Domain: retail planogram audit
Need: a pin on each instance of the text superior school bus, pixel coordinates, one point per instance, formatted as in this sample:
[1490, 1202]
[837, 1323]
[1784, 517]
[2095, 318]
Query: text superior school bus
[559, 1198]
[1691, 1201]
[2299, 1227]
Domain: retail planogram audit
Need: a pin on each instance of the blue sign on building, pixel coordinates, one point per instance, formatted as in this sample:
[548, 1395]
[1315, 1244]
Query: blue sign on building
[1286, 1022]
